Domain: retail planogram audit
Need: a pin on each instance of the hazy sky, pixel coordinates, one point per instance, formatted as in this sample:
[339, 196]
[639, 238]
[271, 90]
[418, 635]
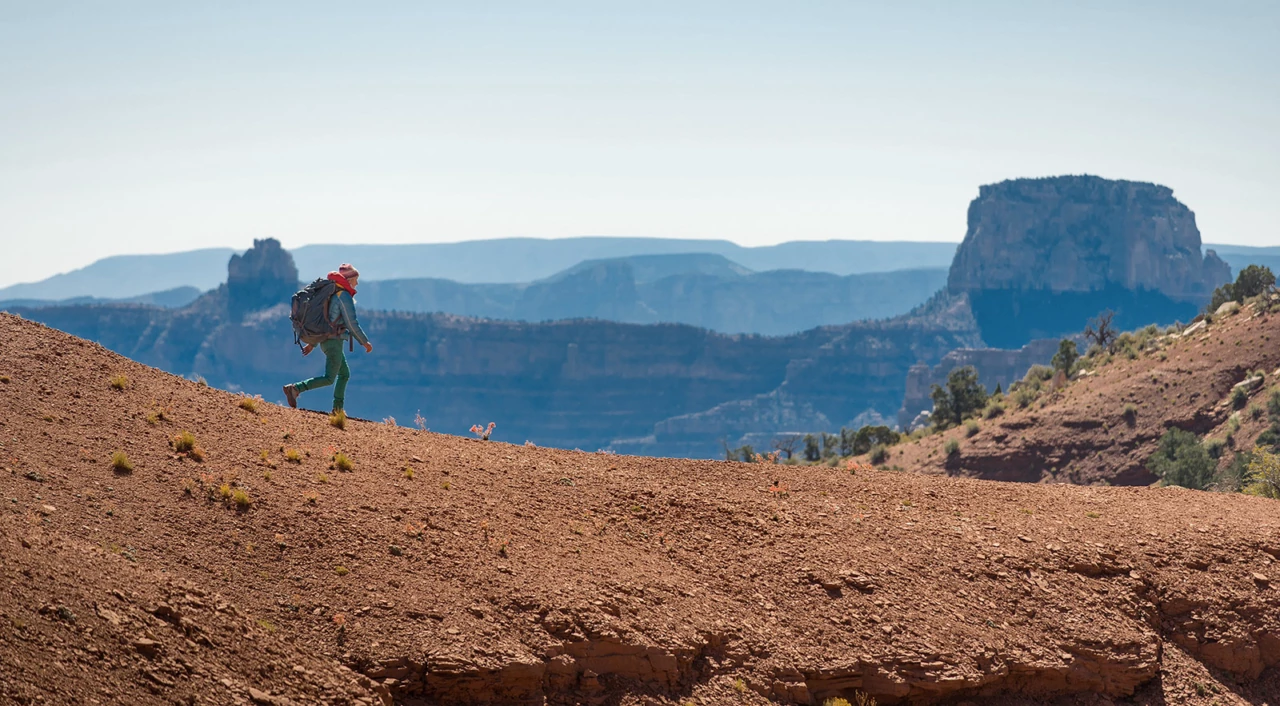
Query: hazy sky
[164, 126]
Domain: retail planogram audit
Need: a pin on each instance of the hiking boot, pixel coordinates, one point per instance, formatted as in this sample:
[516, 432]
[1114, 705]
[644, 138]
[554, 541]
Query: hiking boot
[291, 395]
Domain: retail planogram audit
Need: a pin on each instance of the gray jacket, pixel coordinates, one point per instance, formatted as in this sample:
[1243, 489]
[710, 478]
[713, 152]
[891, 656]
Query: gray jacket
[342, 311]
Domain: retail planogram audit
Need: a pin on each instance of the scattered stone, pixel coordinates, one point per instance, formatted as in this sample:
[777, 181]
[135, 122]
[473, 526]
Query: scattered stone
[146, 647]
[47, 510]
[396, 550]
[66, 614]
[1261, 580]
[259, 697]
[32, 475]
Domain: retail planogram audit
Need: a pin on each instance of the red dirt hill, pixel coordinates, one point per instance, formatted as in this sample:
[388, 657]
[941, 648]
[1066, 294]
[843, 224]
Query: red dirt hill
[1082, 434]
[506, 574]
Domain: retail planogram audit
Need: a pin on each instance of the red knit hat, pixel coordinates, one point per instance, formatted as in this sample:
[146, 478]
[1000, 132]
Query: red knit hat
[348, 271]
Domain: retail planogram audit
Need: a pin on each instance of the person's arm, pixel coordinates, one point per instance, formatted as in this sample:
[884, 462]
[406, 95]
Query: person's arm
[347, 315]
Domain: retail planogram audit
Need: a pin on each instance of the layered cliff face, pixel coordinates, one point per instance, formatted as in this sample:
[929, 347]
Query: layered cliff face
[1041, 256]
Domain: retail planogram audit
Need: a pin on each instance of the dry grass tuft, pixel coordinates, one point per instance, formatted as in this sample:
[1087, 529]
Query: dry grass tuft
[249, 404]
[120, 462]
[343, 462]
[338, 420]
[184, 442]
[119, 381]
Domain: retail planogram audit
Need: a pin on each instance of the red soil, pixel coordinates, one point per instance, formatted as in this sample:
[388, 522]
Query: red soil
[507, 574]
[1080, 433]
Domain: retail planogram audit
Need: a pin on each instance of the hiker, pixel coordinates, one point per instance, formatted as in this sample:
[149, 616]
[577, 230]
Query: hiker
[338, 311]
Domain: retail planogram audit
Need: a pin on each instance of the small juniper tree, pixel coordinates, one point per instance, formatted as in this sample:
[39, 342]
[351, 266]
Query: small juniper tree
[812, 448]
[1181, 459]
[1066, 357]
[963, 397]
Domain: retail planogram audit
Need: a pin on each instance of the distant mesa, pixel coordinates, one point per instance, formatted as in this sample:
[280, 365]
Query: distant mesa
[1042, 255]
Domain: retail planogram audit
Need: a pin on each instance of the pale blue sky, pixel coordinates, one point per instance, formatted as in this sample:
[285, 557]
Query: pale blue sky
[161, 126]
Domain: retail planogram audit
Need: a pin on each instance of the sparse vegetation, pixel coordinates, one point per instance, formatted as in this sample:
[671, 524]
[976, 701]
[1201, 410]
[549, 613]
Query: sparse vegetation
[1250, 282]
[241, 499]
[1263, 476]
[1066, 357]
[483, 432]
[408, 472]
[878, 454]
[120, 462]
[971, 427]
[343, 462]
[250, 404]
[183, 442]
[1100, 331]
[994, 408]
[1130, 413]
[1182, 460]
[293, 455]
[960, 399]
[341, 570]
[119, 381]
[338, 419]
[952, 447]
[1239, 397]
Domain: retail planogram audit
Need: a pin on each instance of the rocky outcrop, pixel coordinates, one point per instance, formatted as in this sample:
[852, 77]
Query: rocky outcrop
[1042, 256]
[1083, 234]
[995, 366]
[262, 277]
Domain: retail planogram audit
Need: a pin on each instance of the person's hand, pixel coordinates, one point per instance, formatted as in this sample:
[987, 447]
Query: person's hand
[306, 350]
[368, 348]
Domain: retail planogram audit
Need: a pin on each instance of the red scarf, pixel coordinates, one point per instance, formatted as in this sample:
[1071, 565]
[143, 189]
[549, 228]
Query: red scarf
[342, 282]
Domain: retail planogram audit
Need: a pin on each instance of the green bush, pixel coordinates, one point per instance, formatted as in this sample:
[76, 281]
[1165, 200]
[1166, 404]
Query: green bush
[1263, 475]
[878, 454]
[952, 447]
[971, 428]
[1130, 413]
[963, 397]
[1067, 355]
[1239, 397]
[993, 409]
[1182, 460]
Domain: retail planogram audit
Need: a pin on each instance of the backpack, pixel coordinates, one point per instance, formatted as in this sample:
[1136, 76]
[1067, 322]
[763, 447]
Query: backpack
[310, 313]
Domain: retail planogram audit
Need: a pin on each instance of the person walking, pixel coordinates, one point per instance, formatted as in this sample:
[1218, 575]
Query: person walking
[342, 319]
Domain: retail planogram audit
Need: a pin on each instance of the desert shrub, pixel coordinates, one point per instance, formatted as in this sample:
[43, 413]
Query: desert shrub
[293, 456]
[119, 381]
[338, 420]
[1233, 422]
[120, 462]
[1130, 413]
[971, 427]
[1182, 460]
[343, 462]
[962, 397]
[183, 442]
[1214, 447]
[1263, 478]
[1024, 395]
[1232, 478]
[249, 404]
[1067, 355]
[241, 499]
[1239, 397]
[952, 447]
[1255, 412]
[878, 454]
[993, 409]
[1040, 373]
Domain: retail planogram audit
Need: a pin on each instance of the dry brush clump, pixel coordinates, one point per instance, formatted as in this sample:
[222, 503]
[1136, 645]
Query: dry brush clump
[120, 462]
[338, 420]
[250, 404]
[119, 381]
[343, 462]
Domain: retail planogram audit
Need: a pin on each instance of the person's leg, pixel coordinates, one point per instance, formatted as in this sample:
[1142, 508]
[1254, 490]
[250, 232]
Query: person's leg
[333, 362]
[340, 387]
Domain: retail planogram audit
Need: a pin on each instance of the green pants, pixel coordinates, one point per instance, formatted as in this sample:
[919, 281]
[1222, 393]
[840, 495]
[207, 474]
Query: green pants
[336, 372]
